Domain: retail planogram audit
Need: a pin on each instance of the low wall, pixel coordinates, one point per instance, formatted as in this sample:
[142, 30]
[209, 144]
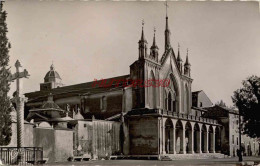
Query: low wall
[57, 144]
[28, 135]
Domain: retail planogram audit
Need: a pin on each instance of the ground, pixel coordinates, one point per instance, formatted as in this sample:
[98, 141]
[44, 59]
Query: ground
[204, 162]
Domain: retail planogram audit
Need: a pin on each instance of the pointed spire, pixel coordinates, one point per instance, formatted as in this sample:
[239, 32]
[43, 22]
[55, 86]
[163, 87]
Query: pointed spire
[142, 44]
[154, 40]
[167, 31]
[187, 58]
[179, 56]
[142, 35]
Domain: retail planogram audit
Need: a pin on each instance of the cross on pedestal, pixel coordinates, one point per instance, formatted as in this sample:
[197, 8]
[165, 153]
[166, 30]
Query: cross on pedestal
[19, 100]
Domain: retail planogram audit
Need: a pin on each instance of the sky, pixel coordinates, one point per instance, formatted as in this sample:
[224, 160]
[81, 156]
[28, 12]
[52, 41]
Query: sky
[98, 39]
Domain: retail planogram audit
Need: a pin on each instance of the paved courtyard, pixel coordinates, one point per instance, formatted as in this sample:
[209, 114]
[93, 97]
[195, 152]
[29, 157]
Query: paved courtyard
[202, 162]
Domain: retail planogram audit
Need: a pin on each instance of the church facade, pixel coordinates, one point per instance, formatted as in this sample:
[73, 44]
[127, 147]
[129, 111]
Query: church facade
[154, 120]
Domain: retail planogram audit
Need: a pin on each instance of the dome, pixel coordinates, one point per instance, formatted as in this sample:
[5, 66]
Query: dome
[52, 75]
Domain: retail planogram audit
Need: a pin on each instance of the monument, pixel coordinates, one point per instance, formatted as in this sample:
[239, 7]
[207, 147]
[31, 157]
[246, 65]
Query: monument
[19, 100]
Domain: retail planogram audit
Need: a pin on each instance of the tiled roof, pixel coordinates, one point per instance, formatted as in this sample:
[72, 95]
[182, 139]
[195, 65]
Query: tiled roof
[77, 89]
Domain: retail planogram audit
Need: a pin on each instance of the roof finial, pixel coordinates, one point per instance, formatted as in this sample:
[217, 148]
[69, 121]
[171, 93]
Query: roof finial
[52, 65]
[166, 6]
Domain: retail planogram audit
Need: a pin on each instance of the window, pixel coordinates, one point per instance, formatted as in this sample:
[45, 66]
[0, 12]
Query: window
[103, 103]
[233, 139]
[85, 125]
[200, 104]
[169, 102]
[237, 140]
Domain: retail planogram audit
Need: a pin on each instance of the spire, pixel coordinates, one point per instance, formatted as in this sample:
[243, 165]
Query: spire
[187, 65]
[154, 49]
[179, 60]
[167, 31]
[187, 58]
[179, 56]
[154, 41]
[142, 44]
[142, 35]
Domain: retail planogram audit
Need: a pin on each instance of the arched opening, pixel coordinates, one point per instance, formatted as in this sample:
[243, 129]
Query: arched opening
[204, 139]
[196, 138]
[179, 138]
[217, 140]
[175, 95]
[169, 136]
[188, 137]
[187, 99]
[152, 91]
[210, 144]
[174, 103]
[165, 100]
[169, 101]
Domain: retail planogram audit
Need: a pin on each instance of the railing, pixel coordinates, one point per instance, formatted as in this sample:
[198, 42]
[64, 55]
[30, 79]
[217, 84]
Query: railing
[188, 117]
[9, 155]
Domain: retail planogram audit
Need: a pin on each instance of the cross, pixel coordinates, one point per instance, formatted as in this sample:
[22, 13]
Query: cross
[16, 76]
[154, 29]
[19, 100]
[166, 6]
[142, 22]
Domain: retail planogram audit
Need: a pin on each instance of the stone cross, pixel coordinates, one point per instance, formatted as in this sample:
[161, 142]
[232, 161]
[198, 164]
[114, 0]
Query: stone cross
[19, 100]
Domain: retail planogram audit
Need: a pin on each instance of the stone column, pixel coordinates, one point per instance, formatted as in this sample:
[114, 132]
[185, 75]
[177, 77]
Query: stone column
[183, 141]
[199, 141]
[174, 140]
[213, 139]
[20, 121]
[192, 140]
[163, 136]
[207, 142]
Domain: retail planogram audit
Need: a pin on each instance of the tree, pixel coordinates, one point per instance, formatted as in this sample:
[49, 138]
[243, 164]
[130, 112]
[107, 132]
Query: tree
[5, 117]
[247, 99]
[221, 103]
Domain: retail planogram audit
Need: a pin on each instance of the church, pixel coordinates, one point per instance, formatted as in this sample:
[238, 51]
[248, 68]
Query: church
[111, 117]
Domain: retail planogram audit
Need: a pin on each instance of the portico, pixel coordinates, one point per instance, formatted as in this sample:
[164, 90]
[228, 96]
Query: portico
[189, 135]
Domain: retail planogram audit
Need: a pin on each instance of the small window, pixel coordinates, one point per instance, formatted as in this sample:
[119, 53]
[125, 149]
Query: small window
[103, 103]
[237, 140]
[201, 104]
[233, 139]
[85, 125]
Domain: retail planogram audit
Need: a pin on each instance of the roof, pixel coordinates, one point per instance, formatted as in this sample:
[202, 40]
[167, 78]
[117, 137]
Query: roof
[92, 87]
[48, 106]
[196, 92]
[219, 111]
[51, 74]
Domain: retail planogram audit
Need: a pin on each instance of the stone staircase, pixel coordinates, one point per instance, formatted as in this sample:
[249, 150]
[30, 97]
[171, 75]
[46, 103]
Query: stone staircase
[168, 157]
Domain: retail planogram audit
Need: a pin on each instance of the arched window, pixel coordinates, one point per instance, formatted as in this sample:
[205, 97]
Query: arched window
[169, 101]
[174, 103]
[187, 99]
[165, 100]
[152, 91]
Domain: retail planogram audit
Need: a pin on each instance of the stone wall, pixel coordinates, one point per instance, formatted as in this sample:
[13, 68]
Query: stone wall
[28, 135]
[143, 135]
[57, 144]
